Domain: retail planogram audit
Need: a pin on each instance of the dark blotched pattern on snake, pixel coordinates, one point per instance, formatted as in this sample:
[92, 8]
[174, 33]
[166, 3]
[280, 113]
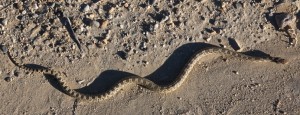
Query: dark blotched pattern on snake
[146, 83]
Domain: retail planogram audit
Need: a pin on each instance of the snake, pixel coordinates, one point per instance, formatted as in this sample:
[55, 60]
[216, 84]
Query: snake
[142, 81]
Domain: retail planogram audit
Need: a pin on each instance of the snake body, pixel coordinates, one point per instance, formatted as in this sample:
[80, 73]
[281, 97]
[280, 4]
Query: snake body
[141, 81]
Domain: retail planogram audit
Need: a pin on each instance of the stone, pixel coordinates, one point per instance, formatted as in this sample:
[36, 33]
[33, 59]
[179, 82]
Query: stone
[8, 79]
[85, 8]
[95, 23]
[4, 21]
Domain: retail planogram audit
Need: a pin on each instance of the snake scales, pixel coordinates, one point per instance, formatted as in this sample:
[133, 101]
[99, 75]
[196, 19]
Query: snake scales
[146, 83]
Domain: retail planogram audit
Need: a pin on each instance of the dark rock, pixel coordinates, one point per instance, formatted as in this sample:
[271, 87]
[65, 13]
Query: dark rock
[122, 54]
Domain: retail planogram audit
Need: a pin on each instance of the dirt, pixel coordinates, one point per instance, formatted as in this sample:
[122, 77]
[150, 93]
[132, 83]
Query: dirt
[97, 42]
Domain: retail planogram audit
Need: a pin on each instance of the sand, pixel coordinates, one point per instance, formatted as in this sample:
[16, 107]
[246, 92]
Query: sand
[150, 38]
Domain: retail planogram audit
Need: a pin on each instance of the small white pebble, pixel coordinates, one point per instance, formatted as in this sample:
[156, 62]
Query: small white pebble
[24, 12]
[4, 21]
[235, 72]
[179, 98]
[126, 5]
[80, 81]
[86, 8]
[121, 26]
[207, 39]
[95, 23]
[111, 10]
[35, 6]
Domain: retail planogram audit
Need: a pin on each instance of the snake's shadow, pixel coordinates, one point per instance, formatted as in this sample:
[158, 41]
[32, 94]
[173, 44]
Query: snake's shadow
[166, 73]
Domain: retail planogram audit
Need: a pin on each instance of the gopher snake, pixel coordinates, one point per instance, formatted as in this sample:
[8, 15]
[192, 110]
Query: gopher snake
[141, 81]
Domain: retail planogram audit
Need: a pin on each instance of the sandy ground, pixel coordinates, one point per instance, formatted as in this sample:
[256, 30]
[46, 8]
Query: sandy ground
[148, 38]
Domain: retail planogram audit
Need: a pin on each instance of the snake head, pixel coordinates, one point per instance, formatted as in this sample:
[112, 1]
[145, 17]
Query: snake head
[279, 60]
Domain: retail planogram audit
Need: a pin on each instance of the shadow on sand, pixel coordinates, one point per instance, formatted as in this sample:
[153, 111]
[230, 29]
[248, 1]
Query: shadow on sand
[165, 74]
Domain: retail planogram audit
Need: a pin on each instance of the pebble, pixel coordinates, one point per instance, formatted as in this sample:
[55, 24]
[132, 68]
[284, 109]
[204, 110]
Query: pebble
[145, 62]
[143, 46]
[126, 5]
[207, 39]
[179, 98]
[212, 21]
[69, 1]
[100, 11]
[121, 26]
[52, 5]
[235, 72]
[110, 11]
[104, 41]
[35, 31]
[90, 46]
[104, 24]
[8, 79]
[223, 46]
[122, 54]
[88, 22]
[234, 44]
[80, 81]
[95, 23]
[3, 48]
[16, 73]
[237, 5]
[35, 16]
[35, 6]
[4, 21]
[107, 35]
[85, 8]
[156, 26]
[110, 17]
[219, 40]
[18, 5]
[24, 12]
[284, 19]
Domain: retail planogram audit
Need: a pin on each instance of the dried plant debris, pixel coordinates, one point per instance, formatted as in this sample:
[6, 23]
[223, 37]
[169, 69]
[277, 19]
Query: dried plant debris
[72, 33]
